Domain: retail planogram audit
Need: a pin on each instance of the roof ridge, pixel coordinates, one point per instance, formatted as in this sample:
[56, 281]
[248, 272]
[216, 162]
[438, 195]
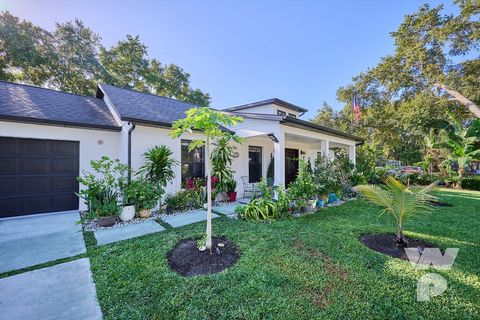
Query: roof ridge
[151, 94]
[48, 89]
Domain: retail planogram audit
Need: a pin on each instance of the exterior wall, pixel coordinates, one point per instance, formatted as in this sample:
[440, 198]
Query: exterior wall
[93, 143]
[145, 137]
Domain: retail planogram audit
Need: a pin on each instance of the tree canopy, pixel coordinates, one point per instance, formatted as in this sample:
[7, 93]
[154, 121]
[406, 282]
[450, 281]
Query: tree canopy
[432, 72]
[72, 59]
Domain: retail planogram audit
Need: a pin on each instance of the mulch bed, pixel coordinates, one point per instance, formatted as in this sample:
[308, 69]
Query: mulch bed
[187, 260]
[440, 204]
[387, 244]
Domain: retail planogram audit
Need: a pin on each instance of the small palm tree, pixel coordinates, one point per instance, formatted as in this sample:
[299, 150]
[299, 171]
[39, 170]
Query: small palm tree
[398, 200]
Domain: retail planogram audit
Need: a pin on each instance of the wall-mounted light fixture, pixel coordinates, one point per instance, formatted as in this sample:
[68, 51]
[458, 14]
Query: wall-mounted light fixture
[302, 152]
[272, 137]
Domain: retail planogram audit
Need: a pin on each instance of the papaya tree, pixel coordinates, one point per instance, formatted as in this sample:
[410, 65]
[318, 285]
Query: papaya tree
[212, 124]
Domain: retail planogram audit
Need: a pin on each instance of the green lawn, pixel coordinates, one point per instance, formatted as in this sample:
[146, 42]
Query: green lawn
[306, 268]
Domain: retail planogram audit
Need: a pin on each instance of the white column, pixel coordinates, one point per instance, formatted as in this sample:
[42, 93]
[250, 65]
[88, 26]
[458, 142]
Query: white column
[279, 158]
[351, 153]
[326, 148]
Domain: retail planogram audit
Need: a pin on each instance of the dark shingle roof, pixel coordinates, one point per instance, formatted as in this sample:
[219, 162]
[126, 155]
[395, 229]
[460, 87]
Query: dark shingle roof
[276, 101]
[19, 102]
[144, 107]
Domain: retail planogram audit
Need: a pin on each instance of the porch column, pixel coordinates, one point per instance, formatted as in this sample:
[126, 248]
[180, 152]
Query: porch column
[279, 159]
[351, 153]
[325, 145]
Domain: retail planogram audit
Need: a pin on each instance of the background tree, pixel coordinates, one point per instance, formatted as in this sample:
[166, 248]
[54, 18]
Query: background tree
[210, 123]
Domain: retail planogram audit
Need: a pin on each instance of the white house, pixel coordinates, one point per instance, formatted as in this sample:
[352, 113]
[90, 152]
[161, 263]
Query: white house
[48, 137]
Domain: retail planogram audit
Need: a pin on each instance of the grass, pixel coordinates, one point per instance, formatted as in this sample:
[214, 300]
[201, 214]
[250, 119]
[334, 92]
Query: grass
[306, 268]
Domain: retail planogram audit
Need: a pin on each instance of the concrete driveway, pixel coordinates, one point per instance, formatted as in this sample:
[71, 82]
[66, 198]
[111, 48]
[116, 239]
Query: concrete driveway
[31, 240]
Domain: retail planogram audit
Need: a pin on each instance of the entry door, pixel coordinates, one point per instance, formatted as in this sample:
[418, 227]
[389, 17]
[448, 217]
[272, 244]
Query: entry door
[37, 176]
[291, 165]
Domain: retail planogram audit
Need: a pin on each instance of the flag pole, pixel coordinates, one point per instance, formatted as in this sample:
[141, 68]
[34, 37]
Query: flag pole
[352, 109]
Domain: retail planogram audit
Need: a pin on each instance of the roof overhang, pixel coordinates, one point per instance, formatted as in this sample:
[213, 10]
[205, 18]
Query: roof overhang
[58, 123]
[276, 101]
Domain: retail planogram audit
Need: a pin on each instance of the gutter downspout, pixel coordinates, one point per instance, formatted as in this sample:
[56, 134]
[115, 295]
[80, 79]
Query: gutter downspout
[130, 151]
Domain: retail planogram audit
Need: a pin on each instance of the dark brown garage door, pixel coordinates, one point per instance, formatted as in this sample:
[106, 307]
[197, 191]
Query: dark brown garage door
[37, 176]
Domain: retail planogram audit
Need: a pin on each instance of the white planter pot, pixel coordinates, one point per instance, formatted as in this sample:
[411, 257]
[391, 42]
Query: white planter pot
[128, 213]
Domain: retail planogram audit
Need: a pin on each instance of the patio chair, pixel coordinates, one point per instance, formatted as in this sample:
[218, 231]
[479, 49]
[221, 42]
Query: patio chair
[248, 187]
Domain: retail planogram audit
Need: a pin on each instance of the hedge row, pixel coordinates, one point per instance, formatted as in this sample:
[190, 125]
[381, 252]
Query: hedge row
[471, 183]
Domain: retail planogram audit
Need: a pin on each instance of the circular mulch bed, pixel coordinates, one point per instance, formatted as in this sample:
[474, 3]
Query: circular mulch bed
[387, 244]
[187, 260]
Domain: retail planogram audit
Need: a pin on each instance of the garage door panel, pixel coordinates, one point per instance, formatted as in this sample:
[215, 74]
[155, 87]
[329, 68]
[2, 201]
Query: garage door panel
[64, 165]
[9, 186]
[34, 147]
[37, 176]
[8, 165]
[64, 183]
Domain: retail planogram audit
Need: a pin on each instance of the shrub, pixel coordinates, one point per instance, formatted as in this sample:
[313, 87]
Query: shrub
[259, 209]
[145, 194]
[105, 203]
[304, 187]
[471, 183]
[326, 176]
[185, 200]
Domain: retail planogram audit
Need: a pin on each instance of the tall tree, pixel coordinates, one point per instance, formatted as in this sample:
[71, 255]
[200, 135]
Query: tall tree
[326, 116]
[126, 63]
[26, 51]
[77, 67]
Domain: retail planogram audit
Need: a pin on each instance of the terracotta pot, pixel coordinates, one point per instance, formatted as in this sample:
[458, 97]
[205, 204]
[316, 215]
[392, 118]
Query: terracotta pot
[145, 213]
[128, 213]
[106, 221]
[232, 196]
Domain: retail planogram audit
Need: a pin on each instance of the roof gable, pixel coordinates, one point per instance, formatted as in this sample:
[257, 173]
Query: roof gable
[26, 103]
[276, 101]
[144, 107]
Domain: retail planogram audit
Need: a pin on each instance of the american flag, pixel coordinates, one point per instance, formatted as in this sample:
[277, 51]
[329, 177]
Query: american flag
[356, 108]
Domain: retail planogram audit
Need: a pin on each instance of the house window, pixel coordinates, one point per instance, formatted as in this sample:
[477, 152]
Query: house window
[292, 115]
[281, 113]
[193, 162]
[254, 163]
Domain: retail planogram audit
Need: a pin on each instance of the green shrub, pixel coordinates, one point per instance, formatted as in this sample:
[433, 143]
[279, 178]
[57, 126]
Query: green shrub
[260, 209]
[471, 183]
[145, 194]
[105, 203]
[185, 200]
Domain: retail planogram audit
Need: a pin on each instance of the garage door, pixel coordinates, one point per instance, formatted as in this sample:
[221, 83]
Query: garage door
[37, 176]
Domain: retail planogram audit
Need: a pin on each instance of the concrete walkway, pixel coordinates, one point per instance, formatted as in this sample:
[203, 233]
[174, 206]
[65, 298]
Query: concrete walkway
[31, 240]
[227, 209]
[63, 291]
[190, 217]
[128, 231]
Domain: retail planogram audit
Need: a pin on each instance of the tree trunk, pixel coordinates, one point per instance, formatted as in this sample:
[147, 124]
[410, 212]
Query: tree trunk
[457, 96]
[400, 237]
[208, 243]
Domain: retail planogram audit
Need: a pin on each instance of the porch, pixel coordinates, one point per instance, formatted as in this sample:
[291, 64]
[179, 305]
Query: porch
[284, 147]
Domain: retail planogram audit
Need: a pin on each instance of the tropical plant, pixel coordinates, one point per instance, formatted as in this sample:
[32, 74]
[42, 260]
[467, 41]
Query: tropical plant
[399, 201]
[145, 194]
[159, 165]
[304, 187]
[326, 175]
[222, 157]
[283, 201]
[259, 209]
[108, 174]
[231, 185]
[211, 123]
[106, 203]
[463, 143]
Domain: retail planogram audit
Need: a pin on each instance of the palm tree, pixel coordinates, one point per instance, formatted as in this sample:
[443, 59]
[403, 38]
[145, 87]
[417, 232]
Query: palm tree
[462, 143]
[399, 201]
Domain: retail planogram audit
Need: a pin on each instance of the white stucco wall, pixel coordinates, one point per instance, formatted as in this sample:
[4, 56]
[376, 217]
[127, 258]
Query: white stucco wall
[91, 146]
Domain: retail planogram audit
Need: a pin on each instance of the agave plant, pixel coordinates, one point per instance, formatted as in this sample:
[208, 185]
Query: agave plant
[399, 201]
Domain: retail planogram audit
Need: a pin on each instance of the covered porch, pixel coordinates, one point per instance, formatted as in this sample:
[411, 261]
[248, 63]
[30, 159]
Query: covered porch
[282, 147]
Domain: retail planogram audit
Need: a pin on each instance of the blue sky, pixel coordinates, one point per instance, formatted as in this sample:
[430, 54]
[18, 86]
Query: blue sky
[245, 51]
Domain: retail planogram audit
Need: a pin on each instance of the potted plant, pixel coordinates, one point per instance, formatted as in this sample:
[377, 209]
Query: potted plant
[313, 202]
[106, 207]
[146, 197]
[128, 201]
[231, 186]
[170, 203]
